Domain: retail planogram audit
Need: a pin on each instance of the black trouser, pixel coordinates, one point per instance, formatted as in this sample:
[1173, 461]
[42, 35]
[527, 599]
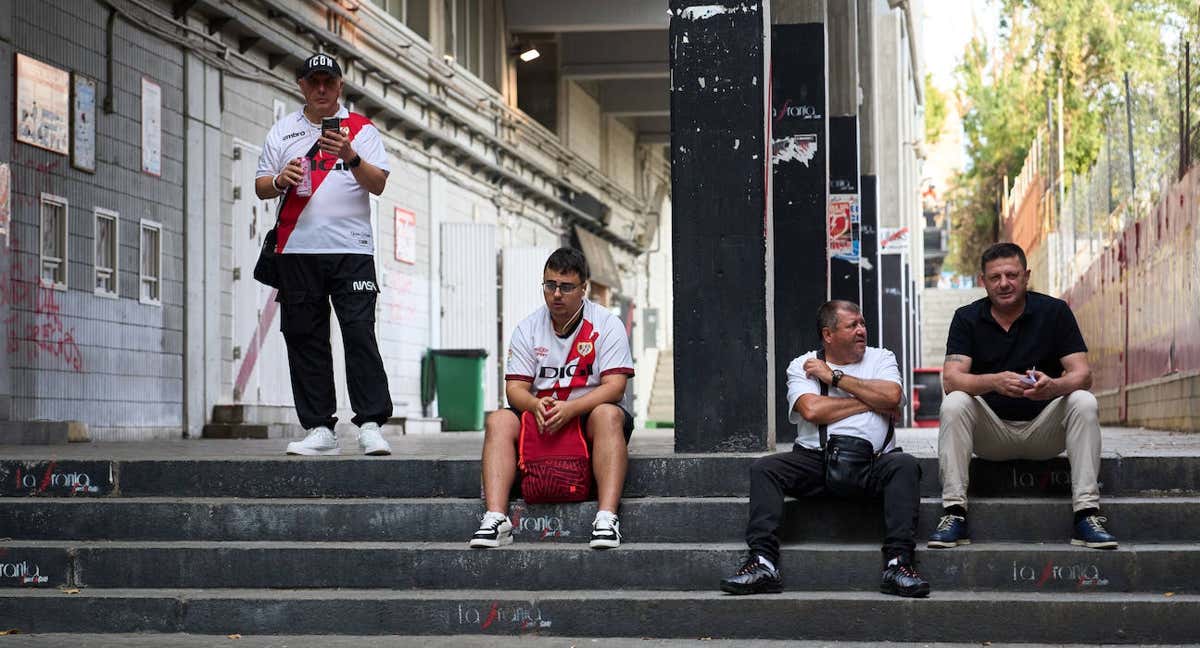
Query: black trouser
[801, 473]
[308, 283]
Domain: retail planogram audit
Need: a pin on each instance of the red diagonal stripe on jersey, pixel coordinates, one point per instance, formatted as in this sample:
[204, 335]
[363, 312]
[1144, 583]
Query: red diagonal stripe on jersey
[579, 379]
[293, 205]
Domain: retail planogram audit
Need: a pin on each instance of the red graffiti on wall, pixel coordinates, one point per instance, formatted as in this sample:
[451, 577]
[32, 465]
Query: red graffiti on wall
[46, 334]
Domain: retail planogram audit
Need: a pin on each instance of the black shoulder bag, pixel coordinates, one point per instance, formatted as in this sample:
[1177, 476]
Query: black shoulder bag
[266, 270]
[848, 459]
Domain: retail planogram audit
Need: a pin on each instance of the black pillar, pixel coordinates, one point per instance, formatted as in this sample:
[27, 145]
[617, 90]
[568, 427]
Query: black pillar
[719, 227]
[845, 209]
[800, 182]
[869, 263]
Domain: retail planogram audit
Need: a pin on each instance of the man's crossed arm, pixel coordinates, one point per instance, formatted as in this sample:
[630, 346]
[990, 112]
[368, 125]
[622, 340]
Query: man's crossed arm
[867, 395]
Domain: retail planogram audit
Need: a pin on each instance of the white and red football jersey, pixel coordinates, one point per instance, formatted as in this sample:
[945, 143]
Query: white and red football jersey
[570, 366]
[336, 218]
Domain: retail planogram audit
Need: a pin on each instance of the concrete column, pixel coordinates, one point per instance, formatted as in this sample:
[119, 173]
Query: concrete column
[721, 228]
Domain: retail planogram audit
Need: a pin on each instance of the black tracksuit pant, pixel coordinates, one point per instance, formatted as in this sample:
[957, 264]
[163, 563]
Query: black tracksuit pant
[309, 282]
[801, 473]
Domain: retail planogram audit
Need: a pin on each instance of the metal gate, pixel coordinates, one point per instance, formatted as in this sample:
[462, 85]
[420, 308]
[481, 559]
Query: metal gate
[259, 369]
[469, 282]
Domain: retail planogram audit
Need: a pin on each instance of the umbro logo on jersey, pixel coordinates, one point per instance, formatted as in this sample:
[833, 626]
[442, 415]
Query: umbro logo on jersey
[359, 286]
[291, 135]
[554, 373]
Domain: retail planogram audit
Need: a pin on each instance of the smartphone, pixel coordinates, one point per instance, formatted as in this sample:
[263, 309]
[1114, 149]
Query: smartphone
[330, 123]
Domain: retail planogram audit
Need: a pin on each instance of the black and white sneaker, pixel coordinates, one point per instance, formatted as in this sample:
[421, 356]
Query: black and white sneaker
[494, 530]
[606, 531]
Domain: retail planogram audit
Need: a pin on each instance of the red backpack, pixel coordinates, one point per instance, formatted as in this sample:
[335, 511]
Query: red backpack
[554, 467]
[558, 467]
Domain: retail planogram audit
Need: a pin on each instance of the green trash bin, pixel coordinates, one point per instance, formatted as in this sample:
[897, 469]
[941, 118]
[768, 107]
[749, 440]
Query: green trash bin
[458, 377]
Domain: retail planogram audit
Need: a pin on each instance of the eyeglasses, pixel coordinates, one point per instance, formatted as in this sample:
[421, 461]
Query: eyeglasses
[564, 288]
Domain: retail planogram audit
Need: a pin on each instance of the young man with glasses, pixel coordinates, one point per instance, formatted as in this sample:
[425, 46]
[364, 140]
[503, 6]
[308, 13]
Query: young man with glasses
[571, 346]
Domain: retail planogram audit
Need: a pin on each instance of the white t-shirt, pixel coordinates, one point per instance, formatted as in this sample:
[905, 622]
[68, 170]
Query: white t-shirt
[336, 218]
[539, 356]
[876, 364]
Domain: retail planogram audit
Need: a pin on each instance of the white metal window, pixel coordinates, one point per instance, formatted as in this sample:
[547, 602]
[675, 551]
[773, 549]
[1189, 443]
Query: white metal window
[53, 250]
[151, 262]
[463, 22]
[107, 259]
[413, 13]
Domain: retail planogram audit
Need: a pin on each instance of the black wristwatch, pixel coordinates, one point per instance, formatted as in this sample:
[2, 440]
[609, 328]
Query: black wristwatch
[837, 377]
[357, 160]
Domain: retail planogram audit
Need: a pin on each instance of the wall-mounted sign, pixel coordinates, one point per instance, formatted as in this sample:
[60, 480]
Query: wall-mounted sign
[83, 123]
[151, 127]
[844, 221]
[406, 236]
[43, 105]
[5, 201]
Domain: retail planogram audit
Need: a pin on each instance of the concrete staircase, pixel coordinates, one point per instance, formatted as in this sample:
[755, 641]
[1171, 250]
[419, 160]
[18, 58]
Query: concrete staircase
[661, 411]
[220, 545]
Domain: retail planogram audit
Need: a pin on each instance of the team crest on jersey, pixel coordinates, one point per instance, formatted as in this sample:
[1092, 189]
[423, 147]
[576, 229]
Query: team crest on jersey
[583, 348]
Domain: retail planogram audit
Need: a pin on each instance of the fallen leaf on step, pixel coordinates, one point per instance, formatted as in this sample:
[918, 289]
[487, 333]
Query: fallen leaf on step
[68, 590]
[1169, 594]
[234, 636]
[10, 631]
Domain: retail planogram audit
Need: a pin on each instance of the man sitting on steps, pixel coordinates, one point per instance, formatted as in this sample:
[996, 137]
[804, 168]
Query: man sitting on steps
[863, 390]
[1016, 380]
[547, 354]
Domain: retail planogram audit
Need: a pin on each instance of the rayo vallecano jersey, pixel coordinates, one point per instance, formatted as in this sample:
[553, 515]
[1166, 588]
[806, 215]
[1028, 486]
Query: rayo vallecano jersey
[336, 218]
[571, 366]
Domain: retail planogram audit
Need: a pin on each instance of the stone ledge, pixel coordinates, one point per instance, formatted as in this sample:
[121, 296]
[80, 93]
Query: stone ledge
[43, 432]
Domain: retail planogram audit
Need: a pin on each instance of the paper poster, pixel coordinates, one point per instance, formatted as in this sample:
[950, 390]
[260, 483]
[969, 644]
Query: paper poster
[83, 123]
[151, 127]
[5, 201]
[406, 236]
[43, 105]
[893, 240]
[845, 218]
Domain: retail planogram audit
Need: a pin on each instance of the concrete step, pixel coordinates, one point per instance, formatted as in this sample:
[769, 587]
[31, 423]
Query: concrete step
[397, 476]
[648, 519]
[842, 616]
[657, 566]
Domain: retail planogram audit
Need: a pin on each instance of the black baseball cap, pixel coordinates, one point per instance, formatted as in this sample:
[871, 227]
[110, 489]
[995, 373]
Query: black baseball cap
[319, 63]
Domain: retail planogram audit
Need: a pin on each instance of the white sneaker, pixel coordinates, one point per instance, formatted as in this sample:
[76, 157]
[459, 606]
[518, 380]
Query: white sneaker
[606, 531]
[371, 441]
[320, 441]
[494, 530]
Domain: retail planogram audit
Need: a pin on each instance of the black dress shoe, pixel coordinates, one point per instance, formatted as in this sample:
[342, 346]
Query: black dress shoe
[901, 579]
[753, 578]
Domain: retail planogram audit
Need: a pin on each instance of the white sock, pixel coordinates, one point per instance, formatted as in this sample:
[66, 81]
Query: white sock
[770, 565]
[605, 513]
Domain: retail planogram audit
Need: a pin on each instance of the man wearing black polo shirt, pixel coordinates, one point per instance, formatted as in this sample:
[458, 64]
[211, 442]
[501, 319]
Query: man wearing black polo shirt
[1016, 378]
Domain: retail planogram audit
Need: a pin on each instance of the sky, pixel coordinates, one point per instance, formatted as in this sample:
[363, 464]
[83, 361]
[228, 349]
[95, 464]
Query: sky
[947, 26]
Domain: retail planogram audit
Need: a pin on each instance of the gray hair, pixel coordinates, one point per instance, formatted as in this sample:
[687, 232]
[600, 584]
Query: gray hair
[827, 314]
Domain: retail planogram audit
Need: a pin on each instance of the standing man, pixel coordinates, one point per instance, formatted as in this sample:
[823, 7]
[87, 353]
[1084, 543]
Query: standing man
[550, 350]
[1016, 378]
[864, 392]
[326, 250]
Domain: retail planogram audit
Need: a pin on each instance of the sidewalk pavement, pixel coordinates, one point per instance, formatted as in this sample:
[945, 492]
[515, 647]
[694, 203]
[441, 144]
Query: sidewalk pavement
[659, 442]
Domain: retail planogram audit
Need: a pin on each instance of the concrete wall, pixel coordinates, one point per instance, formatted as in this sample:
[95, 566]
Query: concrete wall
[132, 370]
[115, 364]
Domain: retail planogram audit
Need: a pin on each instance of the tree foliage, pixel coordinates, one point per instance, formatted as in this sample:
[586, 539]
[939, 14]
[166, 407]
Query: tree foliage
[935, 111]
[1004, 89]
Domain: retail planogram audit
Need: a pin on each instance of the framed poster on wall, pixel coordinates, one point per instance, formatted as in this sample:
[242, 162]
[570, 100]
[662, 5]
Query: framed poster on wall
[151, 127]
[83, 123]
[43, 105]
[406, 236]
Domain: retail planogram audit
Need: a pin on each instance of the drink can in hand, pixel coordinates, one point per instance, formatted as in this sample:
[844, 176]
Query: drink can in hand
[304, 188]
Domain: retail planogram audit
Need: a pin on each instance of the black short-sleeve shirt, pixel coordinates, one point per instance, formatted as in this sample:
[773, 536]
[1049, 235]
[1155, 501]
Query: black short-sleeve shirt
[1043, 334]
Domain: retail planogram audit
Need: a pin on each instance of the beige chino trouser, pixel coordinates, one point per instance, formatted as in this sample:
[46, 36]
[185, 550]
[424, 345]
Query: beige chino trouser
[1068, 423]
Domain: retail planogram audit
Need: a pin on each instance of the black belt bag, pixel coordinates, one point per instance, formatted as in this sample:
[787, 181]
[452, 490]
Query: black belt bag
[848, 459]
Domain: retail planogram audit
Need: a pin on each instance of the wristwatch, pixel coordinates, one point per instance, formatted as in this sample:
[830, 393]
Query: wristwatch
[837, 376]
[355, 161]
